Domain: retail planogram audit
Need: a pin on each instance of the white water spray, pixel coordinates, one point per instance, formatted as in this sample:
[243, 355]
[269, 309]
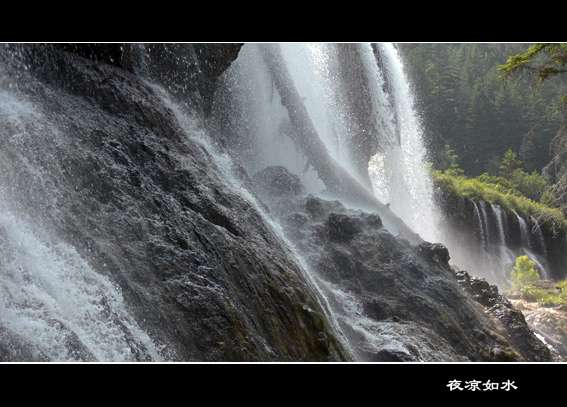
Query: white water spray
[53, 305]
[54, 302]
[333, 97]
[525, 234]
[399, 175]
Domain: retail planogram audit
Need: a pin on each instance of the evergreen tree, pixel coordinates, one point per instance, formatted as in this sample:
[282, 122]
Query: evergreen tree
[463, 103]
[510, 165]
[541, 62]
[450, 161]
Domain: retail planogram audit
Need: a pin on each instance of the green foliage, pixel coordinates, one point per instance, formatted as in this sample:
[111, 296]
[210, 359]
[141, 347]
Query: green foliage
[525, 279]
[502, 192]
[552, 61]
[532, 186]
[450, 161]
[549, 200]
[562, 297]
[535, 294]
[545, 296]
[524, 273]
[510, 164]
[514, 190]
[464, 103]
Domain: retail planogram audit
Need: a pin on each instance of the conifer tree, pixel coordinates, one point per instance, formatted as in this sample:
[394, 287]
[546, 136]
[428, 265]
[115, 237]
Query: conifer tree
[510, 164]
[541, 62]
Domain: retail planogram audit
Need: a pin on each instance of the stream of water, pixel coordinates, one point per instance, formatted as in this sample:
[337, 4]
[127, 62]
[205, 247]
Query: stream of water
[59, 309]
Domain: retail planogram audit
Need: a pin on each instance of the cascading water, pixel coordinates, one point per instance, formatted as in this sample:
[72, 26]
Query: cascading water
[525, 234]
[495, 239]
[360, 103]
[53, 305]
[57, 307]
[480, 227]
[486, 220]
[200, 268]
[536, 229]
[368, 113]
[358, 99]
[505, 256]
[408, 188]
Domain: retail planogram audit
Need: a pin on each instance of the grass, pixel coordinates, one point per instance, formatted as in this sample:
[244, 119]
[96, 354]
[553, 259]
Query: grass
[545, 297]
[497, 190]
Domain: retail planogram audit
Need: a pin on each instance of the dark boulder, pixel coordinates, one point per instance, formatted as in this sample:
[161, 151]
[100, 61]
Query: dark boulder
[342, 227]
[189, 71]
[277, 181]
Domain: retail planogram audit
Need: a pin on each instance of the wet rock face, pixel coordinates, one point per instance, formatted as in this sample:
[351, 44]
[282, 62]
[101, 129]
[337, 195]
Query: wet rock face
[277, 181]
[512, 320]
[188, 71]
[398, 302]
[106, 166]
[104, 163]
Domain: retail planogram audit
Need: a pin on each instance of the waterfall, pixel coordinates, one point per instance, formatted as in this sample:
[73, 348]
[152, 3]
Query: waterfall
[159, 248]
[496, 245]
[409, 189]
[528, 247]
[524, 232]
[478, 221]
[536, 229]
[540, 245]
[53, 305]
[485, 220]
[358, 99]
[506, 257]
[500, 223]
[53, 301]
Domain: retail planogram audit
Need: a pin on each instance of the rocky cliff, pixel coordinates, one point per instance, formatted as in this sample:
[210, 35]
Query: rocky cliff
[113, 166]
[107, 166]
[393, 300]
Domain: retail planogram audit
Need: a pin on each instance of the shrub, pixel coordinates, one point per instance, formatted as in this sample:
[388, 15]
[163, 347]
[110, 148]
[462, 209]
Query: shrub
[530, 185]
[524, 273]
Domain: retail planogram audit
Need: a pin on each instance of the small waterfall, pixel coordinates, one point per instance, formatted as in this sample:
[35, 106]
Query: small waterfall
[506, 257]
[497, 247]
[536, 229]
[525, 234]
[485, 220]
[500, 223]
[528, 247]
[479, 222]
[539, 246]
